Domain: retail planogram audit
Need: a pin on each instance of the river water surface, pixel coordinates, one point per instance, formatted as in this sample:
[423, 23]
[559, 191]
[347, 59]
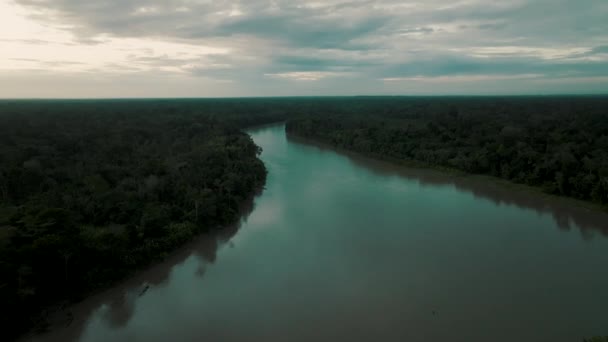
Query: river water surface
[340, 248]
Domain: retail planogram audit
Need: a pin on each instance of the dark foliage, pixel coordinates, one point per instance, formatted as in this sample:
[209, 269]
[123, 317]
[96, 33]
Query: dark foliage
[91, 190]
[559, 144]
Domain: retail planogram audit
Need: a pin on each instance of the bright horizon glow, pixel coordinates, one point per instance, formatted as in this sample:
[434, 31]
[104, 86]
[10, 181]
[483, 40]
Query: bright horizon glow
[255, 48]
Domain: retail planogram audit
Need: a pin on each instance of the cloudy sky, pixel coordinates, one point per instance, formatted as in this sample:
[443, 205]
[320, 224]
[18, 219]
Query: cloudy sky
[217, 48]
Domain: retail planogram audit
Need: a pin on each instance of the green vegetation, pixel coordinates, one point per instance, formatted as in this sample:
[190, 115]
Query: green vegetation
[559, 144]
[596, 339]
[92, 190]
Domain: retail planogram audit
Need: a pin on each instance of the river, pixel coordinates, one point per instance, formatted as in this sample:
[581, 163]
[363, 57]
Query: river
[341, 248]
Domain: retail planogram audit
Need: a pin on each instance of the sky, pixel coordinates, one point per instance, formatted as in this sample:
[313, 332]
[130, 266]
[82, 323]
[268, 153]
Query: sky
[217, 48]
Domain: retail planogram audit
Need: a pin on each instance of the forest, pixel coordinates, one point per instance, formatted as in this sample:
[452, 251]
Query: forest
[92, 190]
[558, 144]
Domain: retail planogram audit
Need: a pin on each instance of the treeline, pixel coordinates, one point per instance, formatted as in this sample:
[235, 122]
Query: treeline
[559, 144]
[92, 190]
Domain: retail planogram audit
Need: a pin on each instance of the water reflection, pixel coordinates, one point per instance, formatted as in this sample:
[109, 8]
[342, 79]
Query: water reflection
[120, 310]
[566, 215]
[116, 306]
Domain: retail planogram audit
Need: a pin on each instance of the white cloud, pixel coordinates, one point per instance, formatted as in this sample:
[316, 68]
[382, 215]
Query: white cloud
[31, 45]
[461, 78]
[305, 75]
[525, 51]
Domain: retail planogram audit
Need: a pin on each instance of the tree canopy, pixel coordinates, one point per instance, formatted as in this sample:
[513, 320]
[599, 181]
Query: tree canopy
[91, 190]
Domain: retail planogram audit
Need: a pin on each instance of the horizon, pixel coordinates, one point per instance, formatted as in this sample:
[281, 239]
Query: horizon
[6, 99]
[75, 49]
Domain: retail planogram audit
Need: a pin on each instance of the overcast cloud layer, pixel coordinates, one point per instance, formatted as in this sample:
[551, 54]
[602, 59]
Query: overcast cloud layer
[184, 48]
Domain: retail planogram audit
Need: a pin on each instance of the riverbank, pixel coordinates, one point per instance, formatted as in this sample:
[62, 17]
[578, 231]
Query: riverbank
[65, 322]
[558, 145]
[51, 324]
[586, 215]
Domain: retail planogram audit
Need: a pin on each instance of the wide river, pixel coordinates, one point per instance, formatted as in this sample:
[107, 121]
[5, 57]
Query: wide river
[340, 248]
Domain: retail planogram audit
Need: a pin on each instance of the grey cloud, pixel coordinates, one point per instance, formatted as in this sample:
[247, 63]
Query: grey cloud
[555, 21]
[305, 63]
[370, 38]
[423, 30]
[338, 24]
[47, 63]
[300, 32]
[291, 24]
[165, 60]
[458, 66]
[492, 26]
[600, 49]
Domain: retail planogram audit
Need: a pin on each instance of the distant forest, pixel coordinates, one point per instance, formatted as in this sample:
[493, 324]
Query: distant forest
[559, 144]
[92, 190]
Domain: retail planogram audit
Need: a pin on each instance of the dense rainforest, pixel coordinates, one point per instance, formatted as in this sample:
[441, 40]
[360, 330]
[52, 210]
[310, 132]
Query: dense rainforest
[559, 144]
[92, 190]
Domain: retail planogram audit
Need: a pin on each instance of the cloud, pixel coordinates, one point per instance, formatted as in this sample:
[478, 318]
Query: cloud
[456, 64]
[462, 78]
[292, 24]
[600, 49]
[332, 63]
[306, 75]
[277, 42]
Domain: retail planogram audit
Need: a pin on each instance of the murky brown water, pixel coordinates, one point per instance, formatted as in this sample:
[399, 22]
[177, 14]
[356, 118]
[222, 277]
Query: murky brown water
[346, 249]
